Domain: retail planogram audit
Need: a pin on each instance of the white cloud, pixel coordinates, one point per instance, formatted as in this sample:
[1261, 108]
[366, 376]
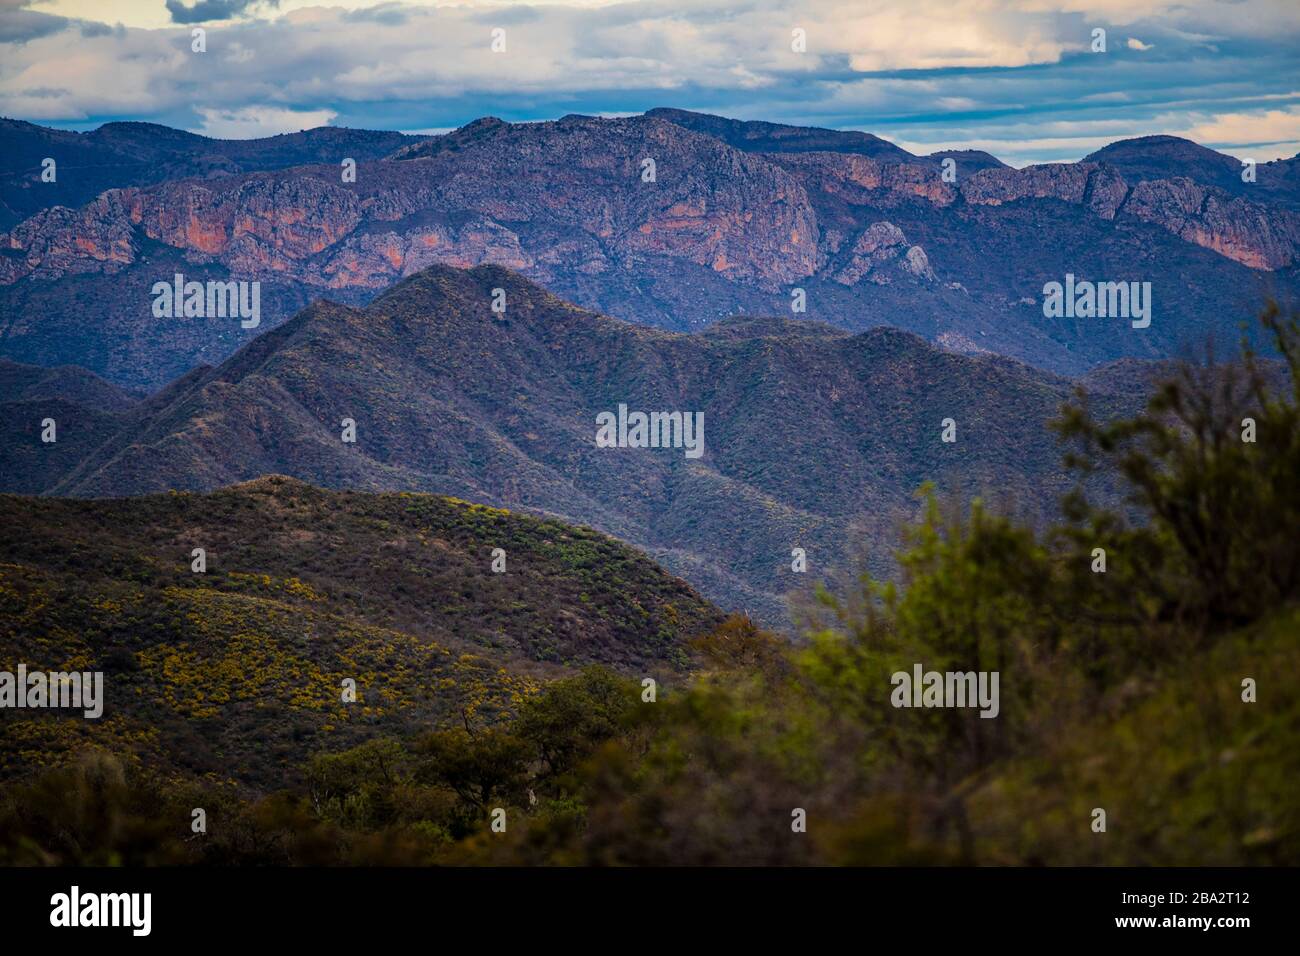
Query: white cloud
[428, 65]
[1266, 135]
[252, 121]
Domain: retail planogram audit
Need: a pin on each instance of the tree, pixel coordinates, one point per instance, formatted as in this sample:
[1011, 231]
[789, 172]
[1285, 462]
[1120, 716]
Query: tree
[1212, 467]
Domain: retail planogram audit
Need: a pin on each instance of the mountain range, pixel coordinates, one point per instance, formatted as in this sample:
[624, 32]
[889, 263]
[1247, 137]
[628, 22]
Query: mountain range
[399, 554]
[669, 219]
[815, 438]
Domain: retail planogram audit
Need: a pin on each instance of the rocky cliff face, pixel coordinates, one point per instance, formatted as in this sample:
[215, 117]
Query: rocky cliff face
[669, 219]
[881, 252]
[97, 238]
[865, 181]
[1170, 157]
[1242, 230]
[580, 190]
[1255, 234]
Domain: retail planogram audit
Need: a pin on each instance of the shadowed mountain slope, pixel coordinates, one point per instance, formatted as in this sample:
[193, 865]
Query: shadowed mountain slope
[76, 408]
[814, 438]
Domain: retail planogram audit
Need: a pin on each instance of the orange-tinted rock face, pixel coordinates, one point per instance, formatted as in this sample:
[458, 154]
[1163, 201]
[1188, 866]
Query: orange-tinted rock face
[377, 260]
[1253, 235]
[1246, 232]
[709, 204]
[573, 198]
[204, 235]
[870, 237]
[98, 237]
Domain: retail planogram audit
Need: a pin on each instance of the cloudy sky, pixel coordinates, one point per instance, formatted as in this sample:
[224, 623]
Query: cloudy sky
[1015, 77]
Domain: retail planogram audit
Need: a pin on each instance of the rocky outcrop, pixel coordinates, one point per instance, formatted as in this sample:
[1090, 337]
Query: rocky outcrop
[98, 237]
[1105, 192]
[649, 221]
[592, 202]
[254, 224]
[992, 187]
[373, 259]
[860, 180]
[1100, 188]
[1252, 234]
[1258, 236]
[882, 254]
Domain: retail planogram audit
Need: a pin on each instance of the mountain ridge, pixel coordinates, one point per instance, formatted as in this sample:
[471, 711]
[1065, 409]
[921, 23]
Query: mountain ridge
[814, 437]
[716, 231]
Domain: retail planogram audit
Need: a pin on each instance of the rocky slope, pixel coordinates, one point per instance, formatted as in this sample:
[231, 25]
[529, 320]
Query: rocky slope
[1171, 157]
[779, 138]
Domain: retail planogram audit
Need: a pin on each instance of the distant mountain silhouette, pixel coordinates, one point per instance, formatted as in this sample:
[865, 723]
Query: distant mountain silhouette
[139, 154]
[1170, 157]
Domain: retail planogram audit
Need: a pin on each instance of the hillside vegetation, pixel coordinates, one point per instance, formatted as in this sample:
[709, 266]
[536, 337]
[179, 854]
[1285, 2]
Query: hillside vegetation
[234, 673]
[1162, 691]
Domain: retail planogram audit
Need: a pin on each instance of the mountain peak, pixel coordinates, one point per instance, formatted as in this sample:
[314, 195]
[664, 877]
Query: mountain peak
[139, 127]
[1151, 146]
[482, 123]
[271, 483]
[439, 278]
[1168, 157]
